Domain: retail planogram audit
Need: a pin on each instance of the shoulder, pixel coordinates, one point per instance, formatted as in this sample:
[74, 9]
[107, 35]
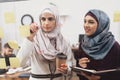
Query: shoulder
[116, 48]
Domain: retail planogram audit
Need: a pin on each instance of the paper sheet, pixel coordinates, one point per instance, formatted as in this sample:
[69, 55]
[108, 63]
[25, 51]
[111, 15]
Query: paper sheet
[2, 63]
[14, 63]
[9, 17]
[1, 32]
[13, 44]
[117, 16]
[24, 30]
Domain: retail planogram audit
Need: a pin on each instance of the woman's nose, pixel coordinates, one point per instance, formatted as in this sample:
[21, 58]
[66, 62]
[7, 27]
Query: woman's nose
[86, 25]
[46, 22]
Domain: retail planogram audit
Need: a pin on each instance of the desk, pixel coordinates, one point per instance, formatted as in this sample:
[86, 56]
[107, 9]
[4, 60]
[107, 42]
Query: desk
[14, 76]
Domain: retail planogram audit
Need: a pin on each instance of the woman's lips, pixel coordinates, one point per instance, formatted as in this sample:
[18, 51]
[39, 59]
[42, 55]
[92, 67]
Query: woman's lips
[87, 30]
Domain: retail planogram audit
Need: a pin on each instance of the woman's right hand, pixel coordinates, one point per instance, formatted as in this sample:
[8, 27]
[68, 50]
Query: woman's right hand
[91, 77]
[33, 30]
[83, 62]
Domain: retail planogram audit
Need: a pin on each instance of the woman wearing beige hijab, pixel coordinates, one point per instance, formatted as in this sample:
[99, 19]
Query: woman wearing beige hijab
[42, 46]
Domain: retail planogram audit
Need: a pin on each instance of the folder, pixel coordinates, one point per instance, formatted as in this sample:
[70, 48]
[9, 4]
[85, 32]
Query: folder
[78, 69]
[110, 74]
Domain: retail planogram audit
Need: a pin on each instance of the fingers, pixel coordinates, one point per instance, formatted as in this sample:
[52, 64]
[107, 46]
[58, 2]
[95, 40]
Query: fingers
[33, 27]
[90, 77]
[63, 68]
[83, 62]
[95, 77]
[64, 65]
[33, 30]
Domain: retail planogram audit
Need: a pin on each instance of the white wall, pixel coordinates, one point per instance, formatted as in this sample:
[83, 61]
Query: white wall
[75, 9]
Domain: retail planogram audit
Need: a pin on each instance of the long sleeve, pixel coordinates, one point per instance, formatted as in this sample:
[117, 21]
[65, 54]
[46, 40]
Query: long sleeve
[25, 51]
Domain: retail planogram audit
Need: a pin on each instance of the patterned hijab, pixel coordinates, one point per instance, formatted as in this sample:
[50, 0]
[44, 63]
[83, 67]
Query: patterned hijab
[51, 43]
[100, 43]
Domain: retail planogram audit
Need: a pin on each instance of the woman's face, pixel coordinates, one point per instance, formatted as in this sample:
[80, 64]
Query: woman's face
[48, 22]
[90, 25]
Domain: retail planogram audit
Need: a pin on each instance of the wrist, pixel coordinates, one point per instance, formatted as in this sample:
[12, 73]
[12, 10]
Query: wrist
[30, 38]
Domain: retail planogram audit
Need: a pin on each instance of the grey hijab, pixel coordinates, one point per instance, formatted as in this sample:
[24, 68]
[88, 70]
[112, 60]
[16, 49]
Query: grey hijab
[52, 43]
[100, 43]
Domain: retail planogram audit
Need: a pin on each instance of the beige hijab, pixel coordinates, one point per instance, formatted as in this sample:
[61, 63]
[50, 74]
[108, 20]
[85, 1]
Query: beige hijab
[43, 45]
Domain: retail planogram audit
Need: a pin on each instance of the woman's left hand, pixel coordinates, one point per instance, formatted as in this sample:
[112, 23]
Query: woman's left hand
[63, 68]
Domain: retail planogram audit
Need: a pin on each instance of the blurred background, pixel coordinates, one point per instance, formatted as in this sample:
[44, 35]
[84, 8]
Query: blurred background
[13, 15]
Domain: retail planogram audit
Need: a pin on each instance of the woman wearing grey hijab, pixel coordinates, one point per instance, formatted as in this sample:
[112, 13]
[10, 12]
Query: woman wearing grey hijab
[42, 46]
[98, 49]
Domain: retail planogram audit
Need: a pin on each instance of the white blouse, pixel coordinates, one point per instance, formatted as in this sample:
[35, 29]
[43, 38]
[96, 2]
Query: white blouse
[38, 64]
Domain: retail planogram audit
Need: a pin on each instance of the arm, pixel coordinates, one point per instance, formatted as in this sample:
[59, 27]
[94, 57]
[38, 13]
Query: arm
[25, 51]
[28, 45]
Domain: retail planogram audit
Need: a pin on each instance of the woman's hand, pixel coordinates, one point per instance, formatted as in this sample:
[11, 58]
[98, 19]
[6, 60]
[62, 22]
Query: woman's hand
[63, 68]
[33, 30]
[91, 77]
[83, 62]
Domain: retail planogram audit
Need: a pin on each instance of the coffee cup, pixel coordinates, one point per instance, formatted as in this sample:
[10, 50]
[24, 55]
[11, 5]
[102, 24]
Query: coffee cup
[60, 59]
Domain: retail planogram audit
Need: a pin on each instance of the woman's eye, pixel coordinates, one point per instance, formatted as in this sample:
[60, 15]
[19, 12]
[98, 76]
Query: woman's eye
[43, 19]
[51, 19]
[91, 22]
